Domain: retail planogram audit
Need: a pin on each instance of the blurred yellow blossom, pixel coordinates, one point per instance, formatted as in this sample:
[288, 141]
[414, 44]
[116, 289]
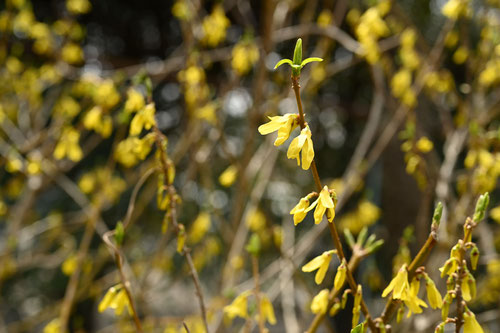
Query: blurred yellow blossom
[256, 220]
[133, 149]
[238, 307]
[424, 144]
[143, 119]
[267, 309]
[325, 18]
[199, 228]
[244, 56]
[54, 326]
[69, 265]
[115, 298]
[214, 27]
[68, 145]
[72, 53]
[78, 6]
[181, 10]
[319, 303]
[95, 120]
[228, 177]
[134, 102]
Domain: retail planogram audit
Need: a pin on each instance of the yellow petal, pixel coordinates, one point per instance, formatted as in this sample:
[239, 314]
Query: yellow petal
[470, 323]
[320, 274]
[318, 213]
[325, 198]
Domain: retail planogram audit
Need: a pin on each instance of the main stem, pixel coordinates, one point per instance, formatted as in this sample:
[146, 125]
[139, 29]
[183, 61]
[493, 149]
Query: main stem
[333, 229]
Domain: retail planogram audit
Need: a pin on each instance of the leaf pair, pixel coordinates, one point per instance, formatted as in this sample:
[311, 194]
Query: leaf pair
[297, 62]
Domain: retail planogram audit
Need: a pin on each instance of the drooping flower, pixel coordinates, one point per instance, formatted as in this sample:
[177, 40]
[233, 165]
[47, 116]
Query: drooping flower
[470, 323]
[145, 118]
[267, 309]
[303, 143]
[321, 264]
[340, 276]
[433, 295]
[319, 303]
[399, 284]
[411, 300]
[323, 203]
[299, 212]
[228, 177]
[116, 298]
[283, 124]
[238, 307]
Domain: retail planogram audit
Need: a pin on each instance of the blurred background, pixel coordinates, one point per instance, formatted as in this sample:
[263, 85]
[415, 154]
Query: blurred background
[403, 112]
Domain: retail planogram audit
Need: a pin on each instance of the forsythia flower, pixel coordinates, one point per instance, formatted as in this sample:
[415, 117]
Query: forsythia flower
[78, 6]
[54, 326]
[116, 298]
[302, 143]
[470, 323]
[323, 203]
[245, 55]
[424, 144]
[267, 309]
[135, 101]
[411, 299]
[256, 220]
[321, 264]
[399, 284]
[319, 303]
[69, 265]
[433, 295]
[94, 120]
[68, 145]
[214, 26]
[283, 124]
[228, 177]
[299, 211]
[145, 118]
[340, 276]
[199, 228]
[238, 307]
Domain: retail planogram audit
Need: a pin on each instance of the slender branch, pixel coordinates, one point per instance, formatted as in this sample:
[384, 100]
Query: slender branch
[333, 229]
[255, 271]
[165, 165]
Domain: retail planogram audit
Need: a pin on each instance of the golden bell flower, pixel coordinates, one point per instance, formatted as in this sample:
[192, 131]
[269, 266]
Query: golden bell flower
[433, 295]
[323, 202]
[200, 227]
[340, 276]
[304, 144]
[267, 310]
[228, 177]
[145, 118]
[319, 303]
[411, 300]
[470, 323]
[68, 145]
[399, 284]
[299, 211]
[283, 124]
[238, 307]
[321, 264]
[115, 298]
[54, 326]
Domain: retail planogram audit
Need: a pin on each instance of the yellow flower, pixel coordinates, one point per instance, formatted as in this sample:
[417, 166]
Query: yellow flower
[244, 56]
[135, 101]
[470, 323]
[411, 299]
[207, 113]
[495, 214]
[115, 298]
[199, 228]
[238, 307]
[131, 150]
[283, 124]
[399, 284]
[340, 276]
[424, 144]
[433, 295]
[319, 303]
[54, 326]
[214, 27]
[181, 10]
[72, 53]
[145, 118]
[228, 177]
[69, 265]
[321, 264]
[323, 202]
[299, 211]
[95, 120]
[78, 6]
[256, 220]
[302, 143]
[68, 145]
[267, 310]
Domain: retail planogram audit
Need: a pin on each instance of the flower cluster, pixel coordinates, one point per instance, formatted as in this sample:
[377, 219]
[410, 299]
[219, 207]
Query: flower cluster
[323, 204]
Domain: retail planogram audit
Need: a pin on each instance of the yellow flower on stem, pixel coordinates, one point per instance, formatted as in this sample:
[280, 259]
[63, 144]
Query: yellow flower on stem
[319, 303]
[470, 323]
[267, 309]
[145, 118]
[299, 212]
[238, 307]
[323, 203]
[433, 295]
[399, 285]
[116, 298]
[68, 145]
[302, 143]
[340, 276]
[321, 264]
[283, 124]
[411, 300]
